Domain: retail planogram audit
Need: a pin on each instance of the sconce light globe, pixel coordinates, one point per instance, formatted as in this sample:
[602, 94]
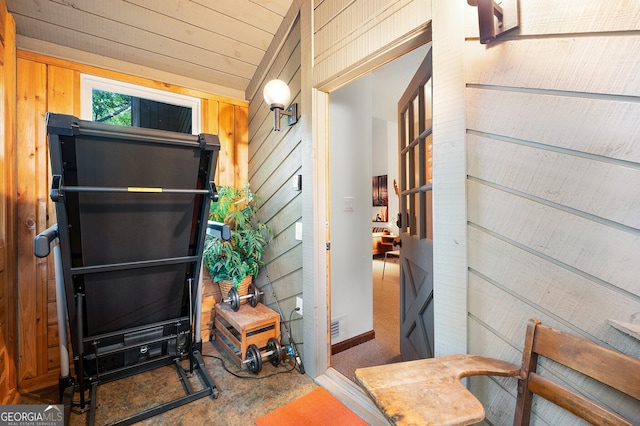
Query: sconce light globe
[276, 93]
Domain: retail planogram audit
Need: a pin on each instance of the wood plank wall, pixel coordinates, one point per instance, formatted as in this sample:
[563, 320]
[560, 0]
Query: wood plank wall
[553, 188]
[8, 240]
[344, 38]
[48, 84]
[349, 37]
[274, 159]
[552, 157]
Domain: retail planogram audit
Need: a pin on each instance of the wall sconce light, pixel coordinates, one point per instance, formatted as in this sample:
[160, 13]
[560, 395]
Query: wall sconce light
[277, 94]
[495, 17]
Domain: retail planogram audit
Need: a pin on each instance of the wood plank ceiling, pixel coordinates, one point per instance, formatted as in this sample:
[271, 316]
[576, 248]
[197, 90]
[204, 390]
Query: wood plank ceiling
[218, 41]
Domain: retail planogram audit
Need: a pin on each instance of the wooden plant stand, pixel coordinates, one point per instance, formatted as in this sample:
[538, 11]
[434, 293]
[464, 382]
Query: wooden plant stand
[235, 331]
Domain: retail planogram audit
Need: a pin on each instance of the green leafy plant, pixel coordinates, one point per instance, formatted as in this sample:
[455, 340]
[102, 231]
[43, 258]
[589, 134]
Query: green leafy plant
[241, 255]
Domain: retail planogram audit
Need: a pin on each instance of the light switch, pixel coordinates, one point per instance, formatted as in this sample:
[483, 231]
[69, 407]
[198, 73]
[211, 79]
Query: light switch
[299, 231]
[348, 204]
[296, 182]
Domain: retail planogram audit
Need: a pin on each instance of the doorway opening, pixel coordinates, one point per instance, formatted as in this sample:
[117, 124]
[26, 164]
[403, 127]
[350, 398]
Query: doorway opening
[364, 147]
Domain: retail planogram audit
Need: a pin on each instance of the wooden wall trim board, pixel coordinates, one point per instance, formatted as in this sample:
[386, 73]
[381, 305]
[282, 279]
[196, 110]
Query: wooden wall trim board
[314, 209]
[50, 84]
[449, 175]
[133, 79]
[32, 95]
[240, 145]
[8, 237]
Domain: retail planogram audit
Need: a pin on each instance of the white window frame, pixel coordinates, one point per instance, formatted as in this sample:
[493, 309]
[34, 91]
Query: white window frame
[90, 82]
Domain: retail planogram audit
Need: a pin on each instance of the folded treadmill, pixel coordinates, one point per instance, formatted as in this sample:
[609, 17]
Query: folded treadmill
[132, 207]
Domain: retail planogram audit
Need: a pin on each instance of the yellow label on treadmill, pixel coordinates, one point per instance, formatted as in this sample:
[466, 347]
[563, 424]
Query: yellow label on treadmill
[142, 189]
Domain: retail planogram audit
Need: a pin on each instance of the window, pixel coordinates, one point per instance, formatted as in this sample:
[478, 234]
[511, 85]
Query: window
[125, 104]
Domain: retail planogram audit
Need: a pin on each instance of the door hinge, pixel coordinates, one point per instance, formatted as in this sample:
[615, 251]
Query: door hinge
[328, 245]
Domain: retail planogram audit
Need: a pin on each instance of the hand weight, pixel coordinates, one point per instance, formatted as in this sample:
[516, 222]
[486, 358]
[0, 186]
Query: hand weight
[253, 358]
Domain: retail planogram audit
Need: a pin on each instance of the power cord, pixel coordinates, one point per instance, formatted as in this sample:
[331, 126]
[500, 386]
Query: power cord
[292, 344]
[242, 376]
[296, 361]
[292, 347]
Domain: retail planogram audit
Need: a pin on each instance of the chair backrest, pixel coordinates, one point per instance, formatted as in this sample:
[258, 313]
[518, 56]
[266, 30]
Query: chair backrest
[612, 368]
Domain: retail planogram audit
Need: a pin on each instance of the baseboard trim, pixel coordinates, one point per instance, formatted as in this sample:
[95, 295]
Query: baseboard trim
[353, 341]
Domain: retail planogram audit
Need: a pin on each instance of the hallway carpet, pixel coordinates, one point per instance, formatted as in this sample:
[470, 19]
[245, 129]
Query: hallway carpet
[385, 348]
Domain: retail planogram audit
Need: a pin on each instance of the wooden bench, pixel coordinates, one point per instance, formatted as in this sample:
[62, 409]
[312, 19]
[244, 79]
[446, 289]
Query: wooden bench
[429, 391]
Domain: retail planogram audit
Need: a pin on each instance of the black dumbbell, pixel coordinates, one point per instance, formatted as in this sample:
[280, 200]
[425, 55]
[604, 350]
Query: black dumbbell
[233, 299]
[253, 359]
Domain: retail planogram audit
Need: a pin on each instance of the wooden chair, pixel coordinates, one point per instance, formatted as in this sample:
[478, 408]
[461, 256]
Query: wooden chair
[429, 391]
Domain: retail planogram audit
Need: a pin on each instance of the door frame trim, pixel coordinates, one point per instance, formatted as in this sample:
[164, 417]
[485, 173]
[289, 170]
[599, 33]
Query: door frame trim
[316, 328]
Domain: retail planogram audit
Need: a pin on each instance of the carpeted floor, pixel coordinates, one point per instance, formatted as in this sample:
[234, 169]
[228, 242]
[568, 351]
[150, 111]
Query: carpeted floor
[385, 348]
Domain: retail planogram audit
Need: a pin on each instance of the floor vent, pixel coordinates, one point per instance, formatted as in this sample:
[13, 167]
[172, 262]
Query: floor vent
[337, 327]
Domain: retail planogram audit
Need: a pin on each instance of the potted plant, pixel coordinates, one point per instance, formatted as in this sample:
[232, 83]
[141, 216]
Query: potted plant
[235, 261]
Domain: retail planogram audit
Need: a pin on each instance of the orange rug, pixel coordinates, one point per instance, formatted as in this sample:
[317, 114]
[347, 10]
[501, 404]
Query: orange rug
[317, 407]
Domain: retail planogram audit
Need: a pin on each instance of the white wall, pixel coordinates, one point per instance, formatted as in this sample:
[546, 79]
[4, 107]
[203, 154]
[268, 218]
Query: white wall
[350, 171]
[385, 162]
[365, 107]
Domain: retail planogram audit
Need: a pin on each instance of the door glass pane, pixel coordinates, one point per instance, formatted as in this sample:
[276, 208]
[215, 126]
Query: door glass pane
[423, 215]
[408, 166]
[416, 117]
[429, 216]
[417, 161]
[405, 130]
[428, 161]
[415, 217]
[417, 167]
[405, 217]
[428, 113]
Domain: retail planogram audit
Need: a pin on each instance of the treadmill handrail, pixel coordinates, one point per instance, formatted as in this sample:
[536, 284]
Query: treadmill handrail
[42, 241]
[135, 189]
[95, 269]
